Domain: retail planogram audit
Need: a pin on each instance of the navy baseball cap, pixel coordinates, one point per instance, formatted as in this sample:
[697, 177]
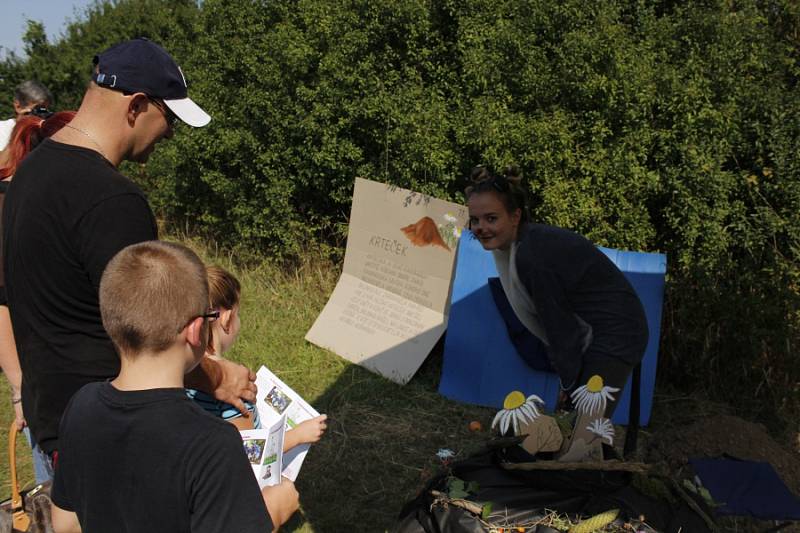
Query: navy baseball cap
[142, 66]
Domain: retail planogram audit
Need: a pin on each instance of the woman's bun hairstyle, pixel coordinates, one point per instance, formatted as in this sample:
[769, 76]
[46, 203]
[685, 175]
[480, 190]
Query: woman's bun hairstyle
[507, 185]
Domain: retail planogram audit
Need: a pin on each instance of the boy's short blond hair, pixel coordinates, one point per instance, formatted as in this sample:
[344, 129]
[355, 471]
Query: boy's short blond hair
[149, 292]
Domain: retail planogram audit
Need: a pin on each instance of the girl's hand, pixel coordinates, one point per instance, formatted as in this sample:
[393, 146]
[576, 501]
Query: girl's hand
[311, 430]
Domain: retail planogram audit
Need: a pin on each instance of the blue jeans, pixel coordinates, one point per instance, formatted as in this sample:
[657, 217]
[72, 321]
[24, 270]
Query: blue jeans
[42, 464]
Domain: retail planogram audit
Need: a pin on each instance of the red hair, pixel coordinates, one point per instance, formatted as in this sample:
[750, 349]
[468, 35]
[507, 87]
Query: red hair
[28, 132]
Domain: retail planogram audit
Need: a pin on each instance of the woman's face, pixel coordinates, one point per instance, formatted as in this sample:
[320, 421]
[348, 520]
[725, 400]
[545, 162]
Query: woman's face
[491, 222]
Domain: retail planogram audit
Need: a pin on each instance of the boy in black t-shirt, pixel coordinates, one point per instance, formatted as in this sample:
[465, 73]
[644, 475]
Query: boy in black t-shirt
[135, 453]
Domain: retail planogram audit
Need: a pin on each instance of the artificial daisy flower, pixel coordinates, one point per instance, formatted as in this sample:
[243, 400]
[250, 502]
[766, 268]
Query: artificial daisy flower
[517, 409]
[445, 454]
[449, 217]
[592, 397]
[603, 428]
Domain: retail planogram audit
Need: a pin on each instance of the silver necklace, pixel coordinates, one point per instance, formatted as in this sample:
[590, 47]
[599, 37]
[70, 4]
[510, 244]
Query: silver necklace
[70, 126]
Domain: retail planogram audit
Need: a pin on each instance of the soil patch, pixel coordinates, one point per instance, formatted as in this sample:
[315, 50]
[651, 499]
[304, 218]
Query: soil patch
[724, 434]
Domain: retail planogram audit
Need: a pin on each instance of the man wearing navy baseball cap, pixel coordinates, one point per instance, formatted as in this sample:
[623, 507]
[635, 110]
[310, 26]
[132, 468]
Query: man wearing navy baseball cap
[141, 66]
[69, 210]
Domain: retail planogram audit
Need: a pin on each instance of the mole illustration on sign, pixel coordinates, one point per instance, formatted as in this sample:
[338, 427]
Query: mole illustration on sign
[425, 232]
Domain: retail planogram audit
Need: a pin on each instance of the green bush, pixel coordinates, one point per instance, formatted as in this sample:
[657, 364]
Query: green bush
[643, 124]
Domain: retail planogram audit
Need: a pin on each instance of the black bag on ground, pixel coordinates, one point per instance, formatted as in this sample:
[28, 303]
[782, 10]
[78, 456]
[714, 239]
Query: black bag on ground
[522, 497]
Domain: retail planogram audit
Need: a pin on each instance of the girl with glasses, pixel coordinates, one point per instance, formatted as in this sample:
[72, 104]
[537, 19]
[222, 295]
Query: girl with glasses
[225, 294]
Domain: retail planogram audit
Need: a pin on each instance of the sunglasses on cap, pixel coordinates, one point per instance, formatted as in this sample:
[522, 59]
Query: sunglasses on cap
[41, 112]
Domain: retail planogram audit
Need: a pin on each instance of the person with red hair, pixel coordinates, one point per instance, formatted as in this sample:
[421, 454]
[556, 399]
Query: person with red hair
[28, 132]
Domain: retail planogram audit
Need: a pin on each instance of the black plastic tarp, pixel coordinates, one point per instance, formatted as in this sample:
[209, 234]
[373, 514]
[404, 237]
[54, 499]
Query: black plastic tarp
[519, 497]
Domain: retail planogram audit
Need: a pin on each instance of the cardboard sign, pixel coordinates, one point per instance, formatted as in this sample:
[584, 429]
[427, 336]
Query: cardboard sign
[391, 303]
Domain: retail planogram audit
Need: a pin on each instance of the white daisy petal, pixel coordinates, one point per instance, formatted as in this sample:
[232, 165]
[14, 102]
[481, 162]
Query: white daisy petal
[534, 403]
[598, 404]
[534, 399]
[497, 417]
[526, 413]
[578, 393]
[587, 404]
[504, 422]
[579, 405]
[520, 415]
[607, 392]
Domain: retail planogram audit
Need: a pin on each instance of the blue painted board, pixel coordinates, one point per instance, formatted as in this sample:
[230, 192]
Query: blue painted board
[481, 365]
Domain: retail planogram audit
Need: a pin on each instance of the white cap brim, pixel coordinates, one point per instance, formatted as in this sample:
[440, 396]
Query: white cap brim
[189, 112]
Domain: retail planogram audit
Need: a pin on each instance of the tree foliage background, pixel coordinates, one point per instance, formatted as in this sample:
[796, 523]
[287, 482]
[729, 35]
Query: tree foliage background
[643, 124]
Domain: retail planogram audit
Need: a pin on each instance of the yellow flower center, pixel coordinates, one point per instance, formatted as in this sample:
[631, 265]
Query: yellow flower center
[514, 400]
[595, 384]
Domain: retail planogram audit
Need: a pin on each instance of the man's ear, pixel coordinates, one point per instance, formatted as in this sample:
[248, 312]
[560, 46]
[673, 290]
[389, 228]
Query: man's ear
[194, 332]
[137, 105]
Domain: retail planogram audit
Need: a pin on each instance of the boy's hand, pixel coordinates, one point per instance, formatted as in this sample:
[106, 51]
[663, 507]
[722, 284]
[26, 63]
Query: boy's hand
[311, 430]
[64, 521]
[236, 384]
[282, 501]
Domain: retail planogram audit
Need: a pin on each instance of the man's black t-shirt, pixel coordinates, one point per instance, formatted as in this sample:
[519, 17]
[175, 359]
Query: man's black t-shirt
[67, 212]
[152, 460]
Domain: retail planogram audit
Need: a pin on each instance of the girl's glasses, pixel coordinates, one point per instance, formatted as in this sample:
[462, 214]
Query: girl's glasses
[212, 315]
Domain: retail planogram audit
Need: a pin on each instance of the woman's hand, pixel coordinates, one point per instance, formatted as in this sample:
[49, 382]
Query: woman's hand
[19, 417]
[237, 383]
[225, 380]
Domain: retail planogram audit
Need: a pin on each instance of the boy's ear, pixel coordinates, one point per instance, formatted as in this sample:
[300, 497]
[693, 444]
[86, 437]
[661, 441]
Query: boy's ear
[194, 332]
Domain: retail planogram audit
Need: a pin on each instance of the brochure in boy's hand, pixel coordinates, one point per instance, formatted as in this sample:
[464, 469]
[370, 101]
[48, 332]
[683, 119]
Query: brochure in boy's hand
[277, 401]
[264, 449]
